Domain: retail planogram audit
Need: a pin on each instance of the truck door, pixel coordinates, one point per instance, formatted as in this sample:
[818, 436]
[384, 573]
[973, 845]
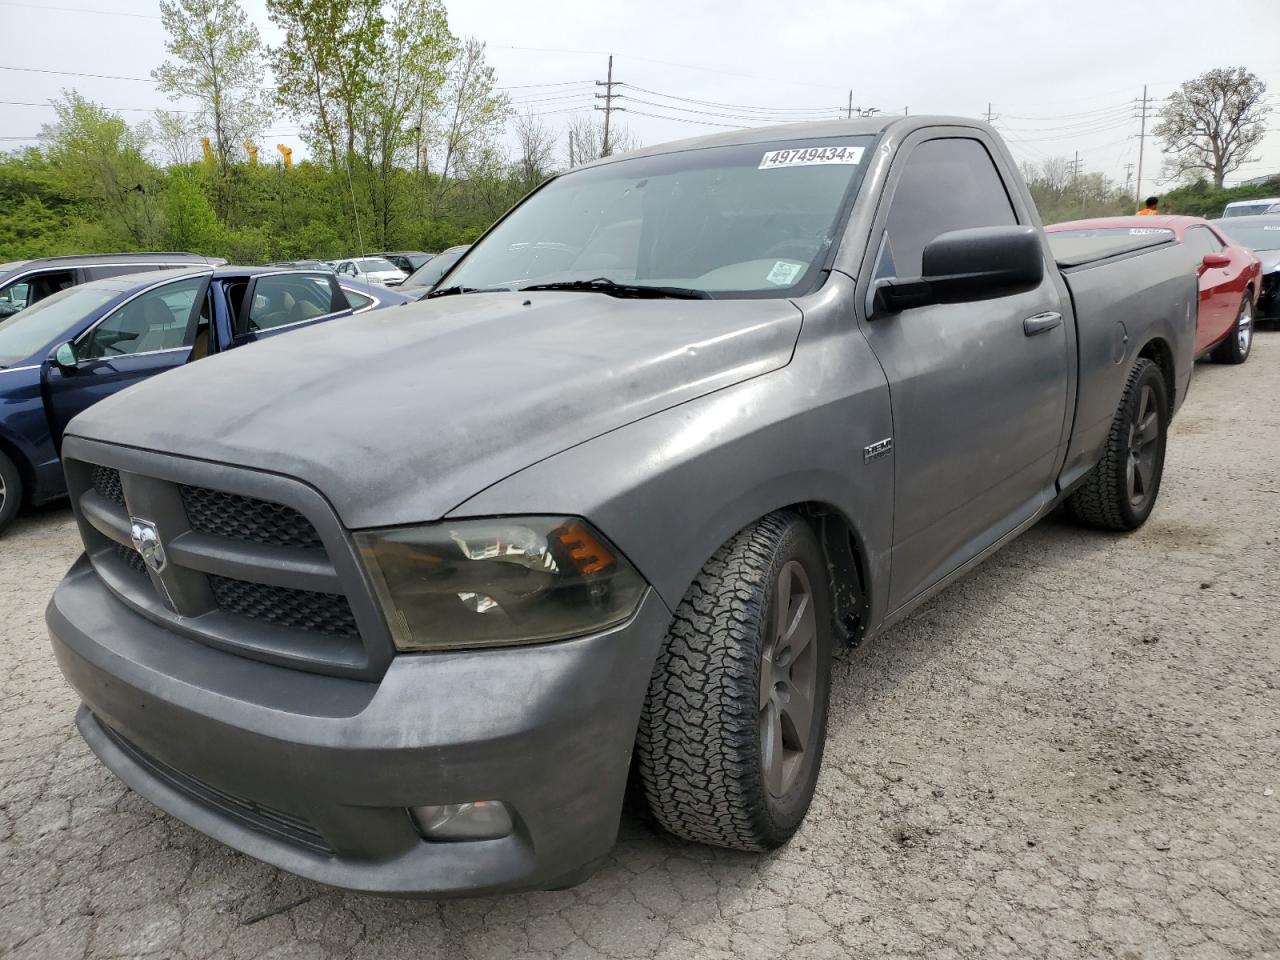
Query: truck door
[979, 394]
[144, 336]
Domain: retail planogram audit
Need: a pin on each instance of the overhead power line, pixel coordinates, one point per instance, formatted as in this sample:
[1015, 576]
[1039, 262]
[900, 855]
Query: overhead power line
[72, 73]
[105, 13]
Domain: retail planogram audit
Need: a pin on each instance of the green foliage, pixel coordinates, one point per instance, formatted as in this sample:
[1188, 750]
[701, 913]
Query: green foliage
[1061, 195]
[218, 61]
[1202, 199]
[190, 221]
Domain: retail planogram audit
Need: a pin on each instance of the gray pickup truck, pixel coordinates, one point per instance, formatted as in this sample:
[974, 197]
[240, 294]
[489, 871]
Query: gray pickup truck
[400, 604]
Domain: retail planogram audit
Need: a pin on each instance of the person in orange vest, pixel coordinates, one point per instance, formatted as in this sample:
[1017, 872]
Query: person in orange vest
[1152, 209]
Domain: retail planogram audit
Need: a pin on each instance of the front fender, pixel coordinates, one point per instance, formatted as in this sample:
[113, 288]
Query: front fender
[668, 490]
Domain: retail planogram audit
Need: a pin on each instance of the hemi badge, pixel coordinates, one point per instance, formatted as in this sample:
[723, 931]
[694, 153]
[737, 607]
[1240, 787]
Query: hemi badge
[874, 451]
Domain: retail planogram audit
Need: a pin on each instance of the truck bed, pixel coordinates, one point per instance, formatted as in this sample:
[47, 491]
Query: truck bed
[1124, 295]
[1071, 251]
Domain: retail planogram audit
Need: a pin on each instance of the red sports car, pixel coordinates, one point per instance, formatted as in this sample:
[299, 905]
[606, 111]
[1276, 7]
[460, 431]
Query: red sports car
[1230, 276]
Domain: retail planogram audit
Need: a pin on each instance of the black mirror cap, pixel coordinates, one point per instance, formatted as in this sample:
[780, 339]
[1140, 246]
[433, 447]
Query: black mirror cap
[1006, 258]
[974, 264]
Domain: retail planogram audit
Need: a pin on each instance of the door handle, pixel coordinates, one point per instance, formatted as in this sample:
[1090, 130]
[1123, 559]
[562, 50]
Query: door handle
[1041, 323]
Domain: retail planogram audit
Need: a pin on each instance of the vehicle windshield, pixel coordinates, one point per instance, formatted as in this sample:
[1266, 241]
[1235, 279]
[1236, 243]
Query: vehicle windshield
[1084, 232]
[1249, 209]
[431, 271]
[43, 323]
[746, 220]
[372, 264]
[1255, 236]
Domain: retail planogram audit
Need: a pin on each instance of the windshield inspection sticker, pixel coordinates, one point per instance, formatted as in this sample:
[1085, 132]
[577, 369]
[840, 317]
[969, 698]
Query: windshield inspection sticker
[810, 156]
[783, 273]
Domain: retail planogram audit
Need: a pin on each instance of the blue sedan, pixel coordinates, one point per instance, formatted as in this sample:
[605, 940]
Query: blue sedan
[82, 344]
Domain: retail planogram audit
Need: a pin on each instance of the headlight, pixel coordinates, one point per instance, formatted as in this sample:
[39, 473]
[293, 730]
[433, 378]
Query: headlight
[484, 583]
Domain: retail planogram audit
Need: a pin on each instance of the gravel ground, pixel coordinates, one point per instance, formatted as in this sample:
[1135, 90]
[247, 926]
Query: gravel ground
[1073, 753]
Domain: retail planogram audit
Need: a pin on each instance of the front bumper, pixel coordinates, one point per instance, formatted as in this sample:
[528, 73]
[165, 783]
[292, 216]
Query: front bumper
[314, 773]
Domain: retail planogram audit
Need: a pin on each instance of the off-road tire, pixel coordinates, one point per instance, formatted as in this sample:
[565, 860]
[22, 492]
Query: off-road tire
[1103, 500]
[699, 746]
[11, 487]
[1237, 346]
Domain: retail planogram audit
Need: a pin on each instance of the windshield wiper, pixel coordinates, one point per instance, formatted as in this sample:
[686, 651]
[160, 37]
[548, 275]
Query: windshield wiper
[615, 289]
[454, 291]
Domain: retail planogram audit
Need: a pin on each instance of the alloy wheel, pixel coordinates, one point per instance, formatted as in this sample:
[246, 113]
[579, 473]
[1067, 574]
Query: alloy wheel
[1244, 327]
[1144, 434]
[788, 680]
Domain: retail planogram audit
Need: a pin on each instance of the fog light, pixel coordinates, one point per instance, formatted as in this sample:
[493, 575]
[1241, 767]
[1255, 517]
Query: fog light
[478, 820]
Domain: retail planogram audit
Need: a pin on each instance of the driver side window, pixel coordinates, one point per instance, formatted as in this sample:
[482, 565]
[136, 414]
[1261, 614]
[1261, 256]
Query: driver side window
[160, 319]
[948, 184]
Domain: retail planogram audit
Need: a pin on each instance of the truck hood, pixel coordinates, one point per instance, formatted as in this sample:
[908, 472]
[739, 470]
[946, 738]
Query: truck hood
[399, 415]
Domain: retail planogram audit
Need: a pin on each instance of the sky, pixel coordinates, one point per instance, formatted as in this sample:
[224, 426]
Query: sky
[1058, 78]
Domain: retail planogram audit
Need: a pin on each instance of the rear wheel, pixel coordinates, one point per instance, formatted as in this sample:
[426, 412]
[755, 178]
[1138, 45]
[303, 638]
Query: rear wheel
[1235, 349]
[732, 731]
[10, 491]
[1121, 491]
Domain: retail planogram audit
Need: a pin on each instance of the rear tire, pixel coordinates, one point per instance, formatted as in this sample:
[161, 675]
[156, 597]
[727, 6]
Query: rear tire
[1121, 491]
[1235, 349]
[733, 727]
[10, 491]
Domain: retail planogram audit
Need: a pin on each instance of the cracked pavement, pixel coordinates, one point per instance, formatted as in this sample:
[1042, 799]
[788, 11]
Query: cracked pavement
[1073, 753]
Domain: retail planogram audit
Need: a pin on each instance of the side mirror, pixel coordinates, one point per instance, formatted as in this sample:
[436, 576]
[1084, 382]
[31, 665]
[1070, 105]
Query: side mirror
[1214, 261]
[65, 356]
[975, 264]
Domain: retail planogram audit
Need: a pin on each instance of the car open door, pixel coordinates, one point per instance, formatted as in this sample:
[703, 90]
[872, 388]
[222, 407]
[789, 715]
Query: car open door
[146, 335]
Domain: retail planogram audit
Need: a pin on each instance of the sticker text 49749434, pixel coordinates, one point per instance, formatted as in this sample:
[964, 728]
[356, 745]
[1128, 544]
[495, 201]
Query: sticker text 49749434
[810, 156]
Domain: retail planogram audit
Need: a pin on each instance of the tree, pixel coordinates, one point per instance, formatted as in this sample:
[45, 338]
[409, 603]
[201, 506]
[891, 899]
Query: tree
[218, 61]
[587, 136]
[536, 144]
[471, 113]
[1212, 123]
[177, 135]
[190, 221]
[100, 161]
[1060, 193]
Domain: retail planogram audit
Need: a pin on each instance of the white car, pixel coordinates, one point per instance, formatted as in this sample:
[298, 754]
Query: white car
[372, 270]
[1251, 208]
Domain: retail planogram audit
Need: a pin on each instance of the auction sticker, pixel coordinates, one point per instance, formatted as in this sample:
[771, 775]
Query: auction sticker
[810, 157]
[783, 273]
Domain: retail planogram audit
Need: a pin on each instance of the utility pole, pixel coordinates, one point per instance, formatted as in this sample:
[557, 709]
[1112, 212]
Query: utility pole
[848, 111]
[608, 97]
[1142, 140]
[1128, 175]
[572, 160]
[990, 116]
[906, 111]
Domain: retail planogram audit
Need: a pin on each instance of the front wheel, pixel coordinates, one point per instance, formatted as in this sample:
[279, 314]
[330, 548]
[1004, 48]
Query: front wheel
[1235, 349]
[1121, 491]
[10, 491]
[733, 727]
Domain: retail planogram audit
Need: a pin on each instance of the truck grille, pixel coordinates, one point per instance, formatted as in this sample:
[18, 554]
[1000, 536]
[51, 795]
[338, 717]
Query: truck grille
[243, 572]
[245, 518]
[307, 610]
[106, 483]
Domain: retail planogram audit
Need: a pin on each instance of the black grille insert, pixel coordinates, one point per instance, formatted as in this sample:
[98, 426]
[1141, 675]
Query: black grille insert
[258, 816]
[106, 483]
[246, 518]
[132, 558]
[325, 613]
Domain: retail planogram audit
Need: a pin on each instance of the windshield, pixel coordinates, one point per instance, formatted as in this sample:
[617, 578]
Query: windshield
[1255, 236]
[1249, 209]
[431, 271]
[373, 264]
[1112, 231]
[42, 324]
[746, 220]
